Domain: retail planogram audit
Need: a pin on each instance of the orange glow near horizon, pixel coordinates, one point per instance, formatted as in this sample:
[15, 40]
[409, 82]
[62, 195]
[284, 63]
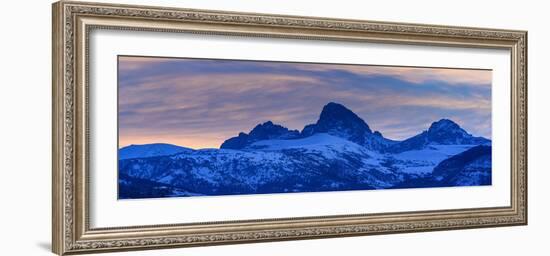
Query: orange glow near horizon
[200, 103]
[183, 141]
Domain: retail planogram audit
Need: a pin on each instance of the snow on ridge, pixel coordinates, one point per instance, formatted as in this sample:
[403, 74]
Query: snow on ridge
[316, 140]
[150, 150]
[434, 153]
[423, 161]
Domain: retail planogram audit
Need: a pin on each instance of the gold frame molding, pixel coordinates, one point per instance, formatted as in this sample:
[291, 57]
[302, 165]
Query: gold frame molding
[72, 22]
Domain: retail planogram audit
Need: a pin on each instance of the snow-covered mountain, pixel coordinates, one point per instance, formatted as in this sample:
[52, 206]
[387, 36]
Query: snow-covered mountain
[442, 132]
[337, 120]
[150, 150]
[321, 162]
[338, 152]
[265, 131]
[468, 168]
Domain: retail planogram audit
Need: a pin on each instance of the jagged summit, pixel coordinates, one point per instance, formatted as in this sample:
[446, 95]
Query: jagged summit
[264, 131]
[442, 132]
[335, 115]
[337, 118]
[444, 125]
[446, 131]
[269, 130]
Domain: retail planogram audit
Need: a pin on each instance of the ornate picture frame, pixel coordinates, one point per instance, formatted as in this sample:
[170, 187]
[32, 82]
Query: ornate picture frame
[72, 24]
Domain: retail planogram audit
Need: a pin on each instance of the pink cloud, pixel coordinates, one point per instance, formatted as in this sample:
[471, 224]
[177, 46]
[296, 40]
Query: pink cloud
[412, 74]
[201, 110]
[131, 63]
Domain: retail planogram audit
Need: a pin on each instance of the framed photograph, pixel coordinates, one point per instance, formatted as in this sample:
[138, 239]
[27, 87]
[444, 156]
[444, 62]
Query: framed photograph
[179, 127]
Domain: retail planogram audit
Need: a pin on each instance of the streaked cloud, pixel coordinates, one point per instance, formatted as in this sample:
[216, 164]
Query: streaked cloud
[199, 103]
[127, 63]
[415, 75]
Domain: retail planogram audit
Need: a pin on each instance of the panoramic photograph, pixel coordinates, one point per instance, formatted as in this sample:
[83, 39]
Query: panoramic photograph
[212, 127]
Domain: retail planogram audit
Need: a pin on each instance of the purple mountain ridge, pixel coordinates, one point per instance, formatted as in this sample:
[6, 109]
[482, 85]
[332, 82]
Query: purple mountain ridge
[337, 120]
[338, 152]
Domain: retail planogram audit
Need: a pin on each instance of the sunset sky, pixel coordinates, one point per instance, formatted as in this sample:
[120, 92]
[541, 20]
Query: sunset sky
[198, 103]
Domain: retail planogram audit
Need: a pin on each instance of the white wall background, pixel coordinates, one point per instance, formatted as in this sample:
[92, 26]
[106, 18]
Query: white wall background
[25, 151]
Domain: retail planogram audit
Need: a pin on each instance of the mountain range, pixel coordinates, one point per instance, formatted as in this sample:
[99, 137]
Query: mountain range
[338, 152]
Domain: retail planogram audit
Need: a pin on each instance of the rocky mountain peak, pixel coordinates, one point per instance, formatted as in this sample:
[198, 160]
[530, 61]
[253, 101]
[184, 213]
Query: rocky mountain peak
[334, 116]
[338, 120]
[446, 131]
[270, 130]
[442, 132]
[444, 125]
[264, 131]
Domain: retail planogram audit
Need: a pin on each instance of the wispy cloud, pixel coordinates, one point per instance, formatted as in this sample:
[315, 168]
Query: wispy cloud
[199, 103]
[415, 75]
[130, 63]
